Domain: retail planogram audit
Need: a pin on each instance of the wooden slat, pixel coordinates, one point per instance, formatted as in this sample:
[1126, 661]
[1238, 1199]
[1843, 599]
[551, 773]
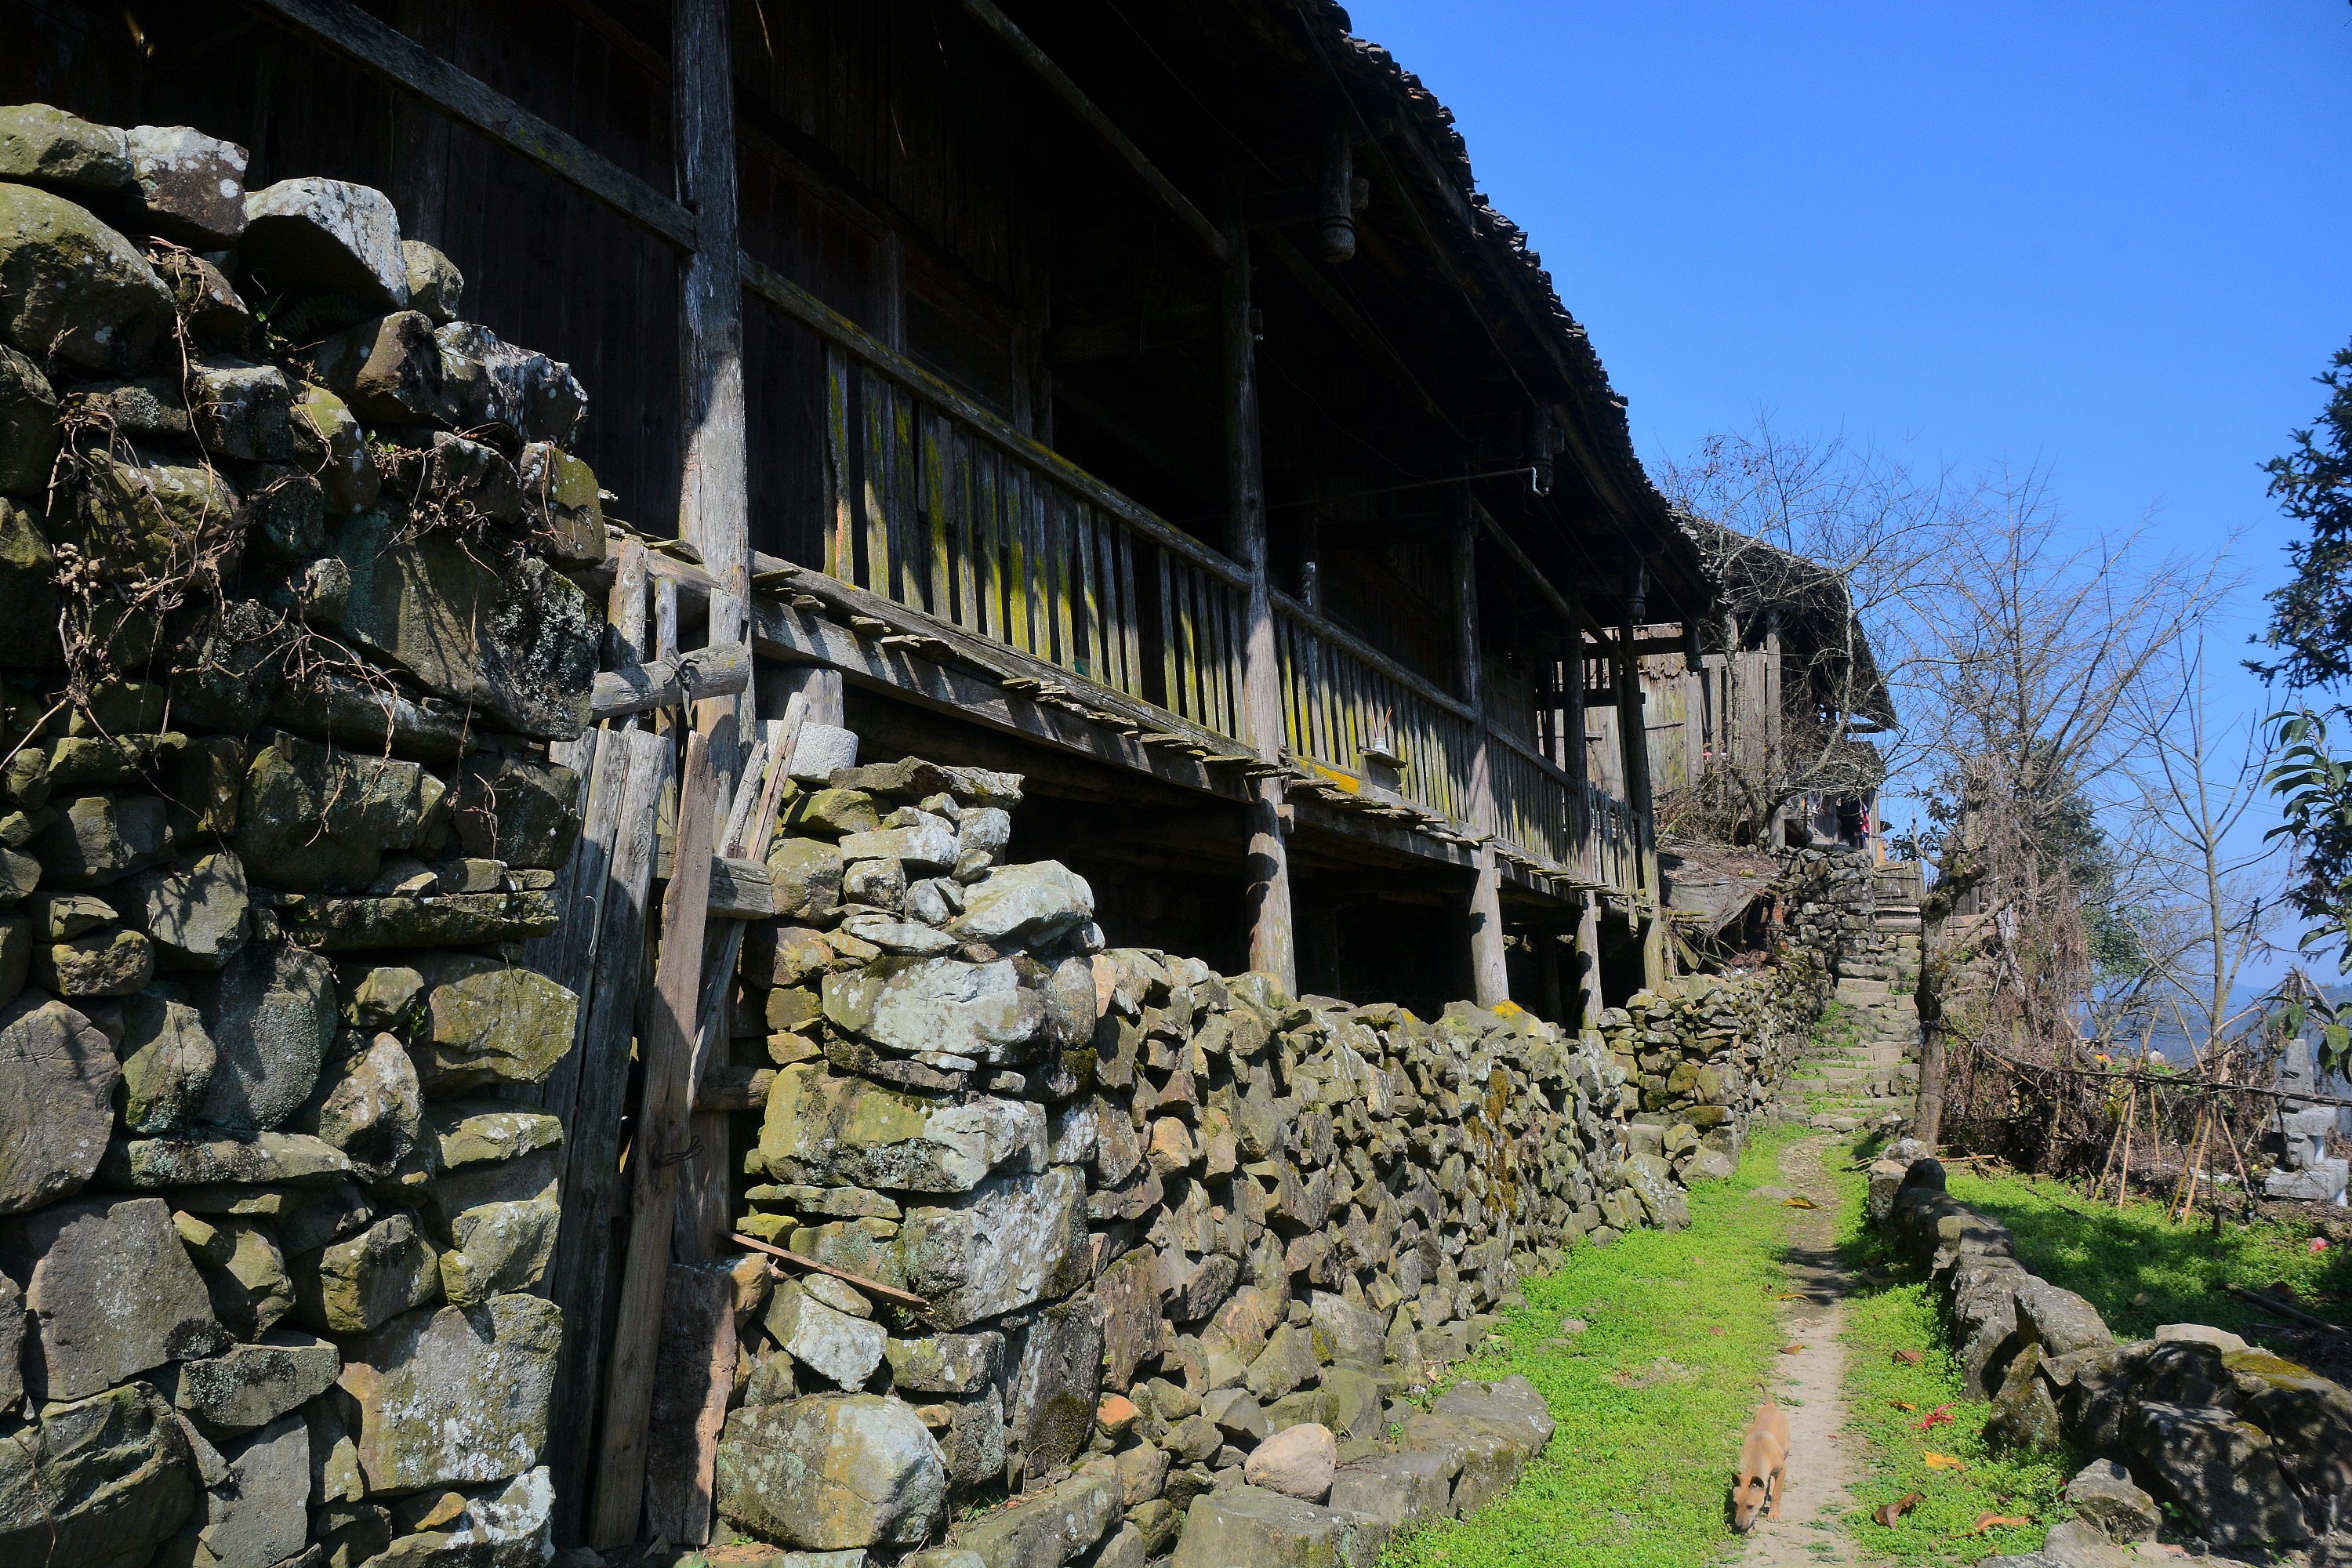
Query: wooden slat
[1359, 648]
[963, 453]
[348, 31]
[937, 507]
[1130, 608]
[694, 1372]
[1064, 584]
[661, 1144]
[881, 547]
[593, 1190]
[841, 475]
[988, 467]
[910, 547]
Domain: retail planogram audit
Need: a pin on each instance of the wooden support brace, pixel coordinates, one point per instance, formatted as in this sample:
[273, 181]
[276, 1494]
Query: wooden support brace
[661, 1145]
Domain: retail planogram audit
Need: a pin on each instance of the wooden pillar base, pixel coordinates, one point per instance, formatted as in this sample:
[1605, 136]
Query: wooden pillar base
[1273, 948]
[1490, 981]
[1588, 964]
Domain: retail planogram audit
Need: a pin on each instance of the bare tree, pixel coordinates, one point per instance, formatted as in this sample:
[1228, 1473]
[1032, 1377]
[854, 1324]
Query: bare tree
[1832, 545]
[2035, 654]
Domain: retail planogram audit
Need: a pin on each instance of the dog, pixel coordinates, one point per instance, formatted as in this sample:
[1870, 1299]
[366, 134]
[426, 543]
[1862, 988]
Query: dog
[1763, 1467]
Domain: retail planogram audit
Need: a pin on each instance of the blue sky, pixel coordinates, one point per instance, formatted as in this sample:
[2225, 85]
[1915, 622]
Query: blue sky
[2111, 239]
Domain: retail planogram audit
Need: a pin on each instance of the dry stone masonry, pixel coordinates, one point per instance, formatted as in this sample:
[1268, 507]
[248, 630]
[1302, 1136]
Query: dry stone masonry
[287, 623]
[2247, 1453]
[285, 628]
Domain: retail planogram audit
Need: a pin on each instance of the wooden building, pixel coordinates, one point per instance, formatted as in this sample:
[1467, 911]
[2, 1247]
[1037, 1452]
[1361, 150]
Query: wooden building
[1144, 399]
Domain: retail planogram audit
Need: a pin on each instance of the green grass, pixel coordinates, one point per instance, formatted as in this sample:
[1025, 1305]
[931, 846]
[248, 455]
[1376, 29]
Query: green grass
[1880, 1321]
[2140, 1270]
[1639, 1472]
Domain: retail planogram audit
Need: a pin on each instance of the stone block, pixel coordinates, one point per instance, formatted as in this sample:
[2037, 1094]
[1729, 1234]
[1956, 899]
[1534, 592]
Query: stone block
[832, 1472]
[946, 1363]
[319, 236]
[825, 1127]
[43, 146]
[1034, 905]
[843, 1349]
[186, 187]
[58, 1077]
[251, 1386]
[1010, 1241]
[486, 1023]
[352, 1286]
[457, 1396]
[1045, 1532]
[1056, 1385]
[979, 1011]
[271, 1016]
[101, 1481]
[111, 1291]
[72, 287]
[518, 810]
[1247, 1524]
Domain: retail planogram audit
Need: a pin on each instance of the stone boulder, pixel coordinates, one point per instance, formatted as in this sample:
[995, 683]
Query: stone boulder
[1010, 1241]
[1249, 1524]
[1032, 905]
[72, 287]
[522, 644]
[932, 1005]
[1060, 1526]
[244, 1269]
[96, 1483]
[95, 838]
[113, 1293]
[829, 1127]
[2058, 1320]
[250, 1385]
[498, 1248]
[1057, 1384]
[456, 1396]
[1297, 1462]
[294, 1158]
[58, 1077]
[514, 393]
[193, 913]
[46, 146]
[327, 236]
[187, 186]
[832, 1472]
[2223, 1472]
[486, 1022]
[2102, 1493]
[314, 817]
[351, 1285]
[368, 1104]
[946, 1363]
[1395, 1490]
[257, 1512]
[271, 1016]
[842, 1349]
[518, 810]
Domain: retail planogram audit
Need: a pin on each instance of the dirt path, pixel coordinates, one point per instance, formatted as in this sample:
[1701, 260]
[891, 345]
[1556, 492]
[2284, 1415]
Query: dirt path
[1821, 1467]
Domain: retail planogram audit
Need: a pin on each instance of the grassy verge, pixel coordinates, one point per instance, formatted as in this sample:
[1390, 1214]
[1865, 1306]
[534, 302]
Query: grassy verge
[1887, 1400]
[1650, 1400]
[2140, 1270]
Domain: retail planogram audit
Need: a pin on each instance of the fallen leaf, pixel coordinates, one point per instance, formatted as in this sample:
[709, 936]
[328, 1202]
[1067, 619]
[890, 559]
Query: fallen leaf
[1909, 1358]
[1996, 1520]
[1715, 1331]
[1799, 1204]
[1886, 1513]
[1902, 1405]
[1939, 1416]
[1943, 1462]
[1788, 1295]
[1792, 1350]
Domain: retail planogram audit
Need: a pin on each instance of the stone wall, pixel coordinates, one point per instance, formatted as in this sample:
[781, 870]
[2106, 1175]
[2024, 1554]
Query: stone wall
[1167, 1221]
[2244, 1451]
[286, 623]
[282, 651]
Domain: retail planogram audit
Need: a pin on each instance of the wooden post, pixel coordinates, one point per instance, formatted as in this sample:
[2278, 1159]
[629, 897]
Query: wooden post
[1587, 964]
[1633, 738]
[659, 1148]
[1489, 978]
[714, 493]
[1272, 942]
[1547, 942]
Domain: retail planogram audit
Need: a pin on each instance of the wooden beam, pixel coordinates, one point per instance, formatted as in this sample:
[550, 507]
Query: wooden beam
[346, 30]
[707, 672]
[661, 1146]
[1111, 338]
[1210, 239]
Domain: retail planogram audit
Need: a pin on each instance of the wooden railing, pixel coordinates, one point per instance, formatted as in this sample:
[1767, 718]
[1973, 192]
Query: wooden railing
[939, 505]
[1343, 702]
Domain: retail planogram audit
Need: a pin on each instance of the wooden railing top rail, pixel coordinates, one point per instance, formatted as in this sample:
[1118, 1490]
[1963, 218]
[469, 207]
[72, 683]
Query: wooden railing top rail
[1559, 775]
[836, 327]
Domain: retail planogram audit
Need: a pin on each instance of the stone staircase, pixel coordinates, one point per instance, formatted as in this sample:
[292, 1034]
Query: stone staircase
[1867, 1070]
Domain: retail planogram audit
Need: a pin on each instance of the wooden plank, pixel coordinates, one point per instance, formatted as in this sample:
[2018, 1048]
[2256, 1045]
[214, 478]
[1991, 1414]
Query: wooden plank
[937, 507]
[694, 1371]
[881, 542]
[346, 30]
[1213, 241]
[1054, 513]
[840, 475]
[1130, 609]
[704, 673]
[592, 1188]
[963, 454]
[660, 1146]
[836, 327]
[913, 550]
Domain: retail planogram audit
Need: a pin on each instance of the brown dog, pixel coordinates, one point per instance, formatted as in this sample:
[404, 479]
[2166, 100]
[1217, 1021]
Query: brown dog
[1763, 1467]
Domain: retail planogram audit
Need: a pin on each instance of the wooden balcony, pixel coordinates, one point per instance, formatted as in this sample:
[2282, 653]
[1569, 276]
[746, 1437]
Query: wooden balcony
[949, 524]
